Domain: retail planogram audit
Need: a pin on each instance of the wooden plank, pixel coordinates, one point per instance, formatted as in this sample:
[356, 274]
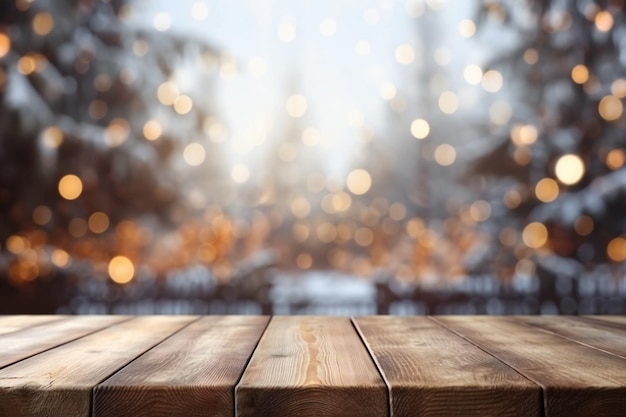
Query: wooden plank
[619, 320]
[433, 372]
[579, 329]
[58, 382]
[33, 340]
[10, 324]
[311, 366]
[577, 380]
[193, 373]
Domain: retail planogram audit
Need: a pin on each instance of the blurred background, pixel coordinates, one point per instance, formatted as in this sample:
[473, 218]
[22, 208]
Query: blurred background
[312, 157]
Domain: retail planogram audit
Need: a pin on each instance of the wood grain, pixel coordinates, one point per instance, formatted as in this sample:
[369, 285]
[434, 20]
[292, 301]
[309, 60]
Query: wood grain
[577, 380]
[619, 320]
[193, 373]
[58, 382]
[433, 372]
[32, 340]
[579, 329]
[10, 324]
[311, 366]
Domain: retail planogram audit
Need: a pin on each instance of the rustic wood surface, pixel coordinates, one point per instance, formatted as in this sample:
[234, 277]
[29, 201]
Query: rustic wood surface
[10, 324]
[59, 382]
[577, 380]
[95, 366]
[311, 366]
[579, 329]
[27, 342]
[190, 374]
[619, 320]
[433, 372]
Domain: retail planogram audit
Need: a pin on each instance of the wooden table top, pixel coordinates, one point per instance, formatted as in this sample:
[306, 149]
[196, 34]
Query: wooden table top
[312, 366]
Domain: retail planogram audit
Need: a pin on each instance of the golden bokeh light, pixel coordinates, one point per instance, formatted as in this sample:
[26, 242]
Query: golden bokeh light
[304, 261]
[98, 109]
[615, 159]
[194, 154]
[522, 155]
[500, 112]
[310, 136]
[467, 28]
[531, 56]
[287, 152]
[257, 66]
[442, 56]
[102, 82]
[387, 91]
[167, 93]
[414, 8]
[98, 222]
[618, 88]
[215, 130]
[60, 258]
[604, 21]
[70, 187]
[580, 74]
[121, 269]
[152, 130]
[569, 169]
[287, 29]
[43, 23]
[296, 105]
[445, 154]
[480, 210]
[42, 215]
[77, 227]
[199, 10]
[512, 199]
[300, 232]
[473, 74]
[584, 225]
[183, 104]
[508, 236]
[535, 235]
[16, 244]
[341, 201]
[363, 236]
[117, 132]
[240, 173]
[616, 249]
[610, 108]
[26, 65]
[420, 128]
[359, 181]
[5, 44]
[528, 134]
[52, 137]
[405, 54]
[162, 21]
[397, 211]
[547, 190]
[140, 47]
[448, 102]
[300, 207]
[492, 81]
[326, 232]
